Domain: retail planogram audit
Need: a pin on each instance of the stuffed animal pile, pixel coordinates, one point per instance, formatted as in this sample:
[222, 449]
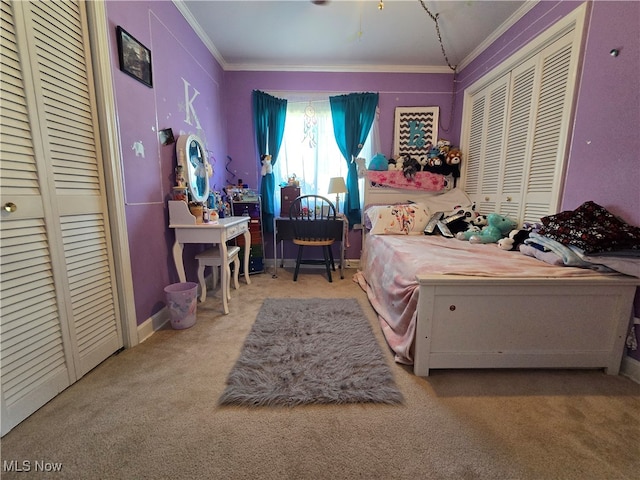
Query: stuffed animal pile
[460, 219]
[441, 158]
[466, 224]
[498, 226]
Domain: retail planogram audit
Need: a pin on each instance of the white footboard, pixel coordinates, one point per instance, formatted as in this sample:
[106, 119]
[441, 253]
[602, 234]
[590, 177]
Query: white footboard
[482, 322]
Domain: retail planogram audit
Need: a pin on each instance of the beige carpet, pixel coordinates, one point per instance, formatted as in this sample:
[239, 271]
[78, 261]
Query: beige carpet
[151, 413]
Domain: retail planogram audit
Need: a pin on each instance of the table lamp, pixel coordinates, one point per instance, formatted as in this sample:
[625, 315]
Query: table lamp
[337, 186]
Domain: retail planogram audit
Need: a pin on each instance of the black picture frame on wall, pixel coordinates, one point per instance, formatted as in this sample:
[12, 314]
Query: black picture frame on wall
[135, 58]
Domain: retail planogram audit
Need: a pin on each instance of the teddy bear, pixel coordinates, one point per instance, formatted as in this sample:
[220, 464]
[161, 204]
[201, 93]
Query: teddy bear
[454, 157]
[498, 226]
[266, 164]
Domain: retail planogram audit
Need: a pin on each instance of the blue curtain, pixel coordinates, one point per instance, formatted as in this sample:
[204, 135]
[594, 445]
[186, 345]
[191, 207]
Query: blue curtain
[352, 117]
[269, 114]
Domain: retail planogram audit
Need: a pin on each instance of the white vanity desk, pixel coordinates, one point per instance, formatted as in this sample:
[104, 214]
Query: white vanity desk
[219, 232]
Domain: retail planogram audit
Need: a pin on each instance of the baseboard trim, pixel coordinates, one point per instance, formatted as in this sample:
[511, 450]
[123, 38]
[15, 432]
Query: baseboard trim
[161, 318]
[291, 263]
[352, 263]
[630, 368]
[152, 324]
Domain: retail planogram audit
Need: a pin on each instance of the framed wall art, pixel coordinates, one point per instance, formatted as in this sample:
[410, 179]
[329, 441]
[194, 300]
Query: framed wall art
[416, 128]
[135, 58]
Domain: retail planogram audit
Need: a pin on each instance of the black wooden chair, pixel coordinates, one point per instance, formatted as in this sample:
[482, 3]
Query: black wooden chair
[313, 218]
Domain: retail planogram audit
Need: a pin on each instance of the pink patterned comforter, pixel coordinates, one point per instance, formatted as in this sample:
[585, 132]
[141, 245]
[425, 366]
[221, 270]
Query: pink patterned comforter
[423, 181]
[390, 264]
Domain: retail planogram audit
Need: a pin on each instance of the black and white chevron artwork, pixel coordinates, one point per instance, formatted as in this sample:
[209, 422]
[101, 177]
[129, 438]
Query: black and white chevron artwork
[416, 130]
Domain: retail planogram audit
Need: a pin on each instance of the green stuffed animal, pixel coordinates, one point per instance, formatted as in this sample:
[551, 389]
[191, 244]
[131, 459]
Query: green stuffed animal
[497, 227]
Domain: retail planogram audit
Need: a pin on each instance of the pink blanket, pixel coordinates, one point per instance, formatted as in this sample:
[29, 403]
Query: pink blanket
[424, 181]
[390, 264]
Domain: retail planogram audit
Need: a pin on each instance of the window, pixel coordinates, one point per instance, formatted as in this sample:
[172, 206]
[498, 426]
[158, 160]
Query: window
[309, 150]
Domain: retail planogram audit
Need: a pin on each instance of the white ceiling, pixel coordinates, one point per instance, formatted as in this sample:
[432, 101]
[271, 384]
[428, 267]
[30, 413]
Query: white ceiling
[342, 35]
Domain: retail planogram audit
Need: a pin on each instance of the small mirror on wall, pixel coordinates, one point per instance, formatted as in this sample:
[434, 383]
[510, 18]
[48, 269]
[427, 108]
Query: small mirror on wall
[192, 156]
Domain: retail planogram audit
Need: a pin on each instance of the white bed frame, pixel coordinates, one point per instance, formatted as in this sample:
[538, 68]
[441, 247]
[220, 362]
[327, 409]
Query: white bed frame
[488, 322]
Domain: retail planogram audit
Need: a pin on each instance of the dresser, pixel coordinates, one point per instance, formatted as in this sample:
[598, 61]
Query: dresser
[251, 207]
[287, 195]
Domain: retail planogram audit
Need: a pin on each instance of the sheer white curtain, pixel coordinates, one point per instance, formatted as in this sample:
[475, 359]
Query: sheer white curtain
[309, 148]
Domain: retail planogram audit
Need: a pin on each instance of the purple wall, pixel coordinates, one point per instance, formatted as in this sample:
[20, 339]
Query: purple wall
[608, 115]
[604, 131]
[181, 66]
[396, 90]
[607, 107]
[608, 119]
[604, 156]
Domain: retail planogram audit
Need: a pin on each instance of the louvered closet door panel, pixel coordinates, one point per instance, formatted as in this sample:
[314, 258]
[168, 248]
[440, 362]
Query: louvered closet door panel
[517, 143]
[35, 367]
[517, 138]
[474, 152]
[66, 98]
[57, 285]
[63, 66]
[550, 130]
[487, 143]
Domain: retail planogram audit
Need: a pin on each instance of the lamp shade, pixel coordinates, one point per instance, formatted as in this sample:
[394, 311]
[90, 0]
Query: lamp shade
[337, 185]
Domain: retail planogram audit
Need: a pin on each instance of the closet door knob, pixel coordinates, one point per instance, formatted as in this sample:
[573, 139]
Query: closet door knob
[10, 207]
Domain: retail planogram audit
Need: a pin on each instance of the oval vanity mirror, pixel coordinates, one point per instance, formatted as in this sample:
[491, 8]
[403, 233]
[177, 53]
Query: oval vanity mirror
[192, 156]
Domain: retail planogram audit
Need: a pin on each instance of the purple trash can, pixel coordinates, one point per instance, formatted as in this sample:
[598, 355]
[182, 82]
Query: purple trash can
[182, 300]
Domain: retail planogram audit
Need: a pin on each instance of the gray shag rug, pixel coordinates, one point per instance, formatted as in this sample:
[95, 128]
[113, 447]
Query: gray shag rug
[310, 351]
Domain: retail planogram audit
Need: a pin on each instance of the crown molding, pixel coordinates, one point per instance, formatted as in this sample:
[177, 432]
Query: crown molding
[506, 25]
[339, 68]
[253, 67]
[193, 23]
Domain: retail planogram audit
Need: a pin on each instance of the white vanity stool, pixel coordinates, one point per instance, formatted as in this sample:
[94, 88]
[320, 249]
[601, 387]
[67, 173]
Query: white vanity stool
[212, 258]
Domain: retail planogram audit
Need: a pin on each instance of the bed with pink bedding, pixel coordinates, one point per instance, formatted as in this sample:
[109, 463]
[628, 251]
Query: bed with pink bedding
[445, 303]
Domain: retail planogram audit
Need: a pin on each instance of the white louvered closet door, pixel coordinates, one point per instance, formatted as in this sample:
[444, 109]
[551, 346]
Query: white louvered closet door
[486, 146]
[548, 140]
[58, 315]
[517, 133]
[517, 141]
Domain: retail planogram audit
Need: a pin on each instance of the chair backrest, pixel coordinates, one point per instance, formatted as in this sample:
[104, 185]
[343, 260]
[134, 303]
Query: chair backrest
[312, 217]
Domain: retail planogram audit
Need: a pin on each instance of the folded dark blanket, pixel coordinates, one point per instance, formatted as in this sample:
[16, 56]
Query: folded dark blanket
[591, 228]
